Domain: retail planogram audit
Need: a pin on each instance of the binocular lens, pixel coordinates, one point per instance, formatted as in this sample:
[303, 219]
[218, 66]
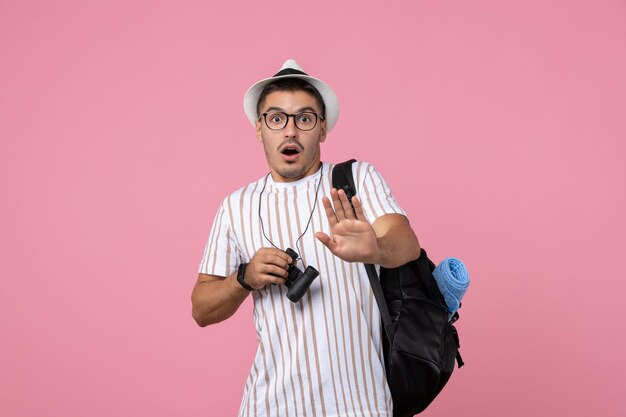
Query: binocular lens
[299, 286]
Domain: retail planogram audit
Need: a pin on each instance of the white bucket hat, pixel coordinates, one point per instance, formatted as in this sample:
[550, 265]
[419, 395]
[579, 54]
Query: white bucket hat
[291, 69]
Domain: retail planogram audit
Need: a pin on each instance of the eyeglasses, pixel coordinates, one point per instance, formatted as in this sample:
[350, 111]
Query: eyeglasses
[304, 120]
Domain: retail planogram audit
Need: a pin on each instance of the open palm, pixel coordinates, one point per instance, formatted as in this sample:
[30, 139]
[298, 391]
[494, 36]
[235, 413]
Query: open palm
[352, 237]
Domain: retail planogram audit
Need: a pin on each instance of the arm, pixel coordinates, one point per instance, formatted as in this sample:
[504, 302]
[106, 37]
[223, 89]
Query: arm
[388, 242]
[214, 298]
[396, 241]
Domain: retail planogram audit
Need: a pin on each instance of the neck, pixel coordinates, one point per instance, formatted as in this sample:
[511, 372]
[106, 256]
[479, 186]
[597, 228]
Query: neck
[278, 177]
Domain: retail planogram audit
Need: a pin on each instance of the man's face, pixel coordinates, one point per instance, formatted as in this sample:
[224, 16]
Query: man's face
[291, 153]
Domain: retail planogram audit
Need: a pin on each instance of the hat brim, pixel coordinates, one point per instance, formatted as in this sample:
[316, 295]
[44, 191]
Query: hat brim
[251, 98]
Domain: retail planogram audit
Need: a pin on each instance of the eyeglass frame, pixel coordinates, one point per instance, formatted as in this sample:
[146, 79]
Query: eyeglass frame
[317, 116]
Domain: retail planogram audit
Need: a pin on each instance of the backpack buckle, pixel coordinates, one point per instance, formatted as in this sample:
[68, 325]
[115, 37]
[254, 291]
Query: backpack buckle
[454, 317]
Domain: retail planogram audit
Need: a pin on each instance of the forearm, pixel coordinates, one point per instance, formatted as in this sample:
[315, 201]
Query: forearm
[215, 299]
[397, 246]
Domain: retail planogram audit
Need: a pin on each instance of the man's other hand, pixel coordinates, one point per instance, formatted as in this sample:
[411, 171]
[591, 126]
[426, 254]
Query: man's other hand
[267, 266]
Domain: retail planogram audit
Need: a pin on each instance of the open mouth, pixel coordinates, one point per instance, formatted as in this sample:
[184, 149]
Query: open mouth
[290, 150]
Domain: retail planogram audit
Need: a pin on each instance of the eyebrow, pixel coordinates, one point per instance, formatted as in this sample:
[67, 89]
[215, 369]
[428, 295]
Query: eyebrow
[303, 109]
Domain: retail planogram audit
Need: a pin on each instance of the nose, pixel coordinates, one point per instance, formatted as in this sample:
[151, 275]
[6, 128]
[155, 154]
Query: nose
[291, 130]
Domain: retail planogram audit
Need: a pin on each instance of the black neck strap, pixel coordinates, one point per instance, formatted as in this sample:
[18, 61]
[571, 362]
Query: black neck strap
[317, 189]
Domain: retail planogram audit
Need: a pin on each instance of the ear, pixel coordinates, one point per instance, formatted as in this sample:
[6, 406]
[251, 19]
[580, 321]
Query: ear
[323, 131]
[259, 133]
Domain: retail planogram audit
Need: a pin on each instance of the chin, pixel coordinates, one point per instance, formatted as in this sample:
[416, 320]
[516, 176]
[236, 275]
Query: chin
[293, 172]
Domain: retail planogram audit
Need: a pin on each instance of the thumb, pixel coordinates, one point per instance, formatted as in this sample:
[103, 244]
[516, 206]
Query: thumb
[324, 238]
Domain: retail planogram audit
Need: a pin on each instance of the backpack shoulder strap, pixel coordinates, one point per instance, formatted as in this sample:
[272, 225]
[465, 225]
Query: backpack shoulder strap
[344, 180]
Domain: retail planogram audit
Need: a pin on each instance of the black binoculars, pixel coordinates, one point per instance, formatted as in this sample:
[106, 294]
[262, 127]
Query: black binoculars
[298, 282]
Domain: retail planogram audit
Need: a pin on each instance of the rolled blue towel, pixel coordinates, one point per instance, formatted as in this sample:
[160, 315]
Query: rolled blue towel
[453, 280]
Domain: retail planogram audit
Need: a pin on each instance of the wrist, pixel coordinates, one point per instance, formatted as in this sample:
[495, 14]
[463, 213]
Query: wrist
[381, 254]
[241, 272]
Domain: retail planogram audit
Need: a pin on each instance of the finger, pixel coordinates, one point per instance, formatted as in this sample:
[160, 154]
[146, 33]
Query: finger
[358, 208]
[330, 213]
[322, 237]
[272, 279]
[345, 205]
[337, 204]
[326, 240]
[276, 271]
[277, 280]
[259, 275]
[276, 257]
[281, 260]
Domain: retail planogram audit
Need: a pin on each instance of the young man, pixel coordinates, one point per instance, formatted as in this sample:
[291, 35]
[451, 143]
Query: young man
[321, 355]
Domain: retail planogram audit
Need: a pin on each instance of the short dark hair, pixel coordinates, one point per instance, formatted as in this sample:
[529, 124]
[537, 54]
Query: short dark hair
[290, 84]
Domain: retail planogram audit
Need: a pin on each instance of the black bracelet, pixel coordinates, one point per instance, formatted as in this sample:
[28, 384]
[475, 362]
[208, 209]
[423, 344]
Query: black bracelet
[240, 277]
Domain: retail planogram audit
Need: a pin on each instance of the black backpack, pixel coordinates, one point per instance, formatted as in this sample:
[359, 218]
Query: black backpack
[420, 343]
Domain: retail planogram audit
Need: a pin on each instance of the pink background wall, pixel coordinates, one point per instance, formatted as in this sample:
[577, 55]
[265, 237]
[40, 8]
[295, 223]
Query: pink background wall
[501, 127]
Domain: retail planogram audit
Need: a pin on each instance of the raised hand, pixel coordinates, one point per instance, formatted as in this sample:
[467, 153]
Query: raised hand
[352, 237]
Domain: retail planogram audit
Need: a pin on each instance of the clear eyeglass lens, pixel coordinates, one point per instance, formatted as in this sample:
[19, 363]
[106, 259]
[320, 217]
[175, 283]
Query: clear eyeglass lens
[278, 120]
[306, 121]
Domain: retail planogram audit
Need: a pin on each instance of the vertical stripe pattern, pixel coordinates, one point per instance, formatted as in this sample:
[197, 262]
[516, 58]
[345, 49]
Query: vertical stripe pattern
[321, 356]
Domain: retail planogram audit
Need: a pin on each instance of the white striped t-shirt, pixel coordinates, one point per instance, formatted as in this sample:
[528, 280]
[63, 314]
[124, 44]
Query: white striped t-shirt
[323, 355]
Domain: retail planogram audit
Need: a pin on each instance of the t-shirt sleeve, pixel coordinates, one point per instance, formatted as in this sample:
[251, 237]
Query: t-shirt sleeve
[374, 192]
[221, 254]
